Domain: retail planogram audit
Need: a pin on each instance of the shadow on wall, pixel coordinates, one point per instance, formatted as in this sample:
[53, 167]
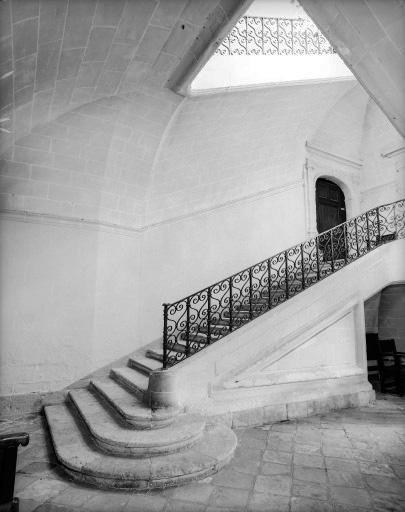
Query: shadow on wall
[384, 314]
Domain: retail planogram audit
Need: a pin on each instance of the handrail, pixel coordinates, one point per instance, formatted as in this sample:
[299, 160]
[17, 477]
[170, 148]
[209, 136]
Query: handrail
[258, 35]
[200, 319]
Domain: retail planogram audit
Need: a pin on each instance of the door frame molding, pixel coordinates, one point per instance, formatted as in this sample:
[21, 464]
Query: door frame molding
[341, 170]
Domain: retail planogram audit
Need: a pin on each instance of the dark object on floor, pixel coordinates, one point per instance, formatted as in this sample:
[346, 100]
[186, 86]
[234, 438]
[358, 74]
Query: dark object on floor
[9, 444]
[385, 365]
[392, 367]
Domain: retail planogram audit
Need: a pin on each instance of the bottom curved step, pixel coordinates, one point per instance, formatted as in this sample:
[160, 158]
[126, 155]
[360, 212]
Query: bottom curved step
[82, 460]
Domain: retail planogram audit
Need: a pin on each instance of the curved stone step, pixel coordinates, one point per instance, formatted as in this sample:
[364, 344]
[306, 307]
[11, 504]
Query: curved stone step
[117, 438]
[144, 365]
[84, 463]
[130, 408]
[131, 379]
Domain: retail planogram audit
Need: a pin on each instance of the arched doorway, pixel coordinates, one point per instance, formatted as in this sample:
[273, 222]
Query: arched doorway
[330, 212]
[330, 205]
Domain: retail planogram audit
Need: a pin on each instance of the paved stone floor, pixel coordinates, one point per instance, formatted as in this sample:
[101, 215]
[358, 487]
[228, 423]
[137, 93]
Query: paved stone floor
[346, 461]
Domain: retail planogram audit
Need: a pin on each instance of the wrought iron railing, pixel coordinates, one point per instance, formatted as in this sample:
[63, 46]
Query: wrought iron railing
[195, 322]
[254, 35]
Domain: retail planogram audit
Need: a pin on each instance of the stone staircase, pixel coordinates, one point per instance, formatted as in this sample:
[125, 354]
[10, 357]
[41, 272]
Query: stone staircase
[109, 436]
[113, 435]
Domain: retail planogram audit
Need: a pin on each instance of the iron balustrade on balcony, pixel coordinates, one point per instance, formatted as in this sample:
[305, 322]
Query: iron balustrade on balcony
[254, 35]
[195, 322]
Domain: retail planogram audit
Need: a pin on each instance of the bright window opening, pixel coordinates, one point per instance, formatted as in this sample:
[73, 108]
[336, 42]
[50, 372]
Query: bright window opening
[274, 42]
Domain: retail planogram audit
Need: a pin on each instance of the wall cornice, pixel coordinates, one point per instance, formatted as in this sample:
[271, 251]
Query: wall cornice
[334, 157]
[121, 229]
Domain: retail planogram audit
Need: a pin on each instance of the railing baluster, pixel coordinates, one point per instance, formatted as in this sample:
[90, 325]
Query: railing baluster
[165, 347]
[209, 316]
[368, 232]
[188, 327]
[302, 267]
[230, 306]
[318, 270]
[378, 224]
[357, 237]
[250, 295]
[269, 282]
[332, 256]
[287, 291]
[345, 241]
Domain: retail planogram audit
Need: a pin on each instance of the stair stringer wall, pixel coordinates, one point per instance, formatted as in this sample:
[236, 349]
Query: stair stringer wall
[258, 366]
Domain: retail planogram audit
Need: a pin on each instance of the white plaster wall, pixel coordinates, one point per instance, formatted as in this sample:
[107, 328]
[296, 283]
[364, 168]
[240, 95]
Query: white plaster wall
[224, 71]
[69, 302]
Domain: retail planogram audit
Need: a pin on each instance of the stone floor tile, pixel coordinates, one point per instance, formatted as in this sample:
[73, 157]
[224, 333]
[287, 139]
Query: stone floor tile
[244, 466]
[267, 502]
[337, 451]
[230, 478]
[106, 502]
[256, 433]
[373, 468]
[274, 484]
[350, 496]
[183, 506]
[312, 449]
[308, 460]
[300, 504]
[345, 478]
[351, 466]
[234, 499]
[399, 470]
[42, 490]
[248, 453]
[252, 442]
[22, 481]
[54, 507]
[384, 502]
[341, 507]
[371, 456]
[284, 426]
[74, 496]
[271, 468]
[282, 446]
[278, 457]
[147, 502]
[310, 490]
[309, 474]
[198, 492]
[28, 505]
[386, 484]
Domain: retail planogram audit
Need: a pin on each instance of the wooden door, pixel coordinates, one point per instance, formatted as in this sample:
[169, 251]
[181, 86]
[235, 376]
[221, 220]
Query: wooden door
[330, 212]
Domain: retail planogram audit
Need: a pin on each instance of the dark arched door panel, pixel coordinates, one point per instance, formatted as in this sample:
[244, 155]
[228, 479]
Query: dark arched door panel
[330, 212]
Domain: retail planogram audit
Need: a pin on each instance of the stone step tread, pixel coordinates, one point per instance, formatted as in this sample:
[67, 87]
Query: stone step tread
[131, 378]
[128, 405]
[156, 354]
[85, 463]
[107, 431]
[146, 364]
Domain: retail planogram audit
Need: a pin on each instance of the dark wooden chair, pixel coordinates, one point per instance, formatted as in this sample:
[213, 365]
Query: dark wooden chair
[392, 367]
[373, 358]
[9, 444]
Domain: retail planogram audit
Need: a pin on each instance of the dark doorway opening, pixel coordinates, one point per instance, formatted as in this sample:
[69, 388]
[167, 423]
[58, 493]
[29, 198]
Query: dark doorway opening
[330, 212]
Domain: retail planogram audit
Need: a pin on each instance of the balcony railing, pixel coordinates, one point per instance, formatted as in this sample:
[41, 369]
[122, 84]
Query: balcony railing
[195, 322]
[253, 35]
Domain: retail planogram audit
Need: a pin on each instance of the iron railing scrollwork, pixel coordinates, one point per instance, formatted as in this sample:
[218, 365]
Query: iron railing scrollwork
[254, 35]
[195, 322]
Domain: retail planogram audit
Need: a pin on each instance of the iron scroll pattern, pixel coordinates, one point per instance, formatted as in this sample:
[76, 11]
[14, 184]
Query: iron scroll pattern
[195, 322]
[254, 35]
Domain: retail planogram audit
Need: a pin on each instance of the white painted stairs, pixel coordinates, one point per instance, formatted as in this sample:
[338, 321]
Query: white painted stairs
[106, 435]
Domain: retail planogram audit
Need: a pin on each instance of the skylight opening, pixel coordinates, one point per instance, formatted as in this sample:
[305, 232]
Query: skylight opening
[274, 42]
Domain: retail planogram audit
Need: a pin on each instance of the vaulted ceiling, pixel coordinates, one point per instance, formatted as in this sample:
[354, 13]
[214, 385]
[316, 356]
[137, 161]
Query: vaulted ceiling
[369, 35]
